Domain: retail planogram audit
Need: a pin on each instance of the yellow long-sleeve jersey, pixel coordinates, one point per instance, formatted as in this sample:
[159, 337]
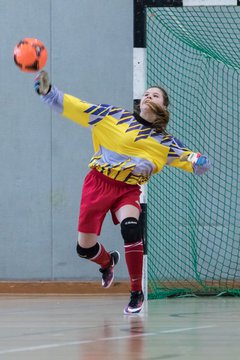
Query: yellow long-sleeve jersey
[126, 146]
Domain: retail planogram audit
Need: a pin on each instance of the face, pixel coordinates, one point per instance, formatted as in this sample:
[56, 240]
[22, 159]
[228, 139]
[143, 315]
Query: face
[154, 95]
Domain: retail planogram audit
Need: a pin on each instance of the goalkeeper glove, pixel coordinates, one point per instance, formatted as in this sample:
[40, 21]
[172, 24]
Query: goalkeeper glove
[42, 84]
[200, 163]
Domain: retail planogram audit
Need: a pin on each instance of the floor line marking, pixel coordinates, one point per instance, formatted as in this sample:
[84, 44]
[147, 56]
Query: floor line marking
[70, 343]
[187, 329]
[42, 347]
[126, 337]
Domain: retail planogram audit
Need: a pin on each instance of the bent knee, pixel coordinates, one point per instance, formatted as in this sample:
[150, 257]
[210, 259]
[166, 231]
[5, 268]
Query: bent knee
[131, 230]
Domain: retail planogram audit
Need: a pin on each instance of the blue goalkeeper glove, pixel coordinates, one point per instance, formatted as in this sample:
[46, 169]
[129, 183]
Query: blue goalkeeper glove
[42, 84]
[200, 163]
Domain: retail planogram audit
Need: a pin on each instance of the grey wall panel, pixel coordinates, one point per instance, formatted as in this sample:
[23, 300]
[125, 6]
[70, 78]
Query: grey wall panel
[25, 143]
[43, 156]
[91, 59]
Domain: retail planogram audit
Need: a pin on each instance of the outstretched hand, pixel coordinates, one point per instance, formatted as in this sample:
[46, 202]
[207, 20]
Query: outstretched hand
[41, 83]
[200, 163]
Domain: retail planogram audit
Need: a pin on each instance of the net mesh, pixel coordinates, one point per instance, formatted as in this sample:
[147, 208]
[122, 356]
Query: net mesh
[194, 221]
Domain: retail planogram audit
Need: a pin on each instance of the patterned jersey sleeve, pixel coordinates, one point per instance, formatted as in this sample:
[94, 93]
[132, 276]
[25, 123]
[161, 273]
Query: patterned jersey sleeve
[176, 150]
[74, 108]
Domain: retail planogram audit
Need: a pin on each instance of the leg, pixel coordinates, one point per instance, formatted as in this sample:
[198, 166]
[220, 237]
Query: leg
[91, 216]
[89, 248]
[127, 211]
[128, 216]
[87, 240]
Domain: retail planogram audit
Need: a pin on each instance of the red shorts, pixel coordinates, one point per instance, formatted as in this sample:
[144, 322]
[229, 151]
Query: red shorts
[101, 194]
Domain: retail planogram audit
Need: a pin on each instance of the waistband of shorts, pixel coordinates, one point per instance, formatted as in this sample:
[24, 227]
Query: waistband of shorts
[109, 180]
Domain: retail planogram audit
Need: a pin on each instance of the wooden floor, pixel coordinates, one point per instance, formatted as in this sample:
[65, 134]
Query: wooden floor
[94, 328]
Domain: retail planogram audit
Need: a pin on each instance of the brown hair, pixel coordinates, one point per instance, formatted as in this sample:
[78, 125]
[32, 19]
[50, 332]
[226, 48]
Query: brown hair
[162, 113]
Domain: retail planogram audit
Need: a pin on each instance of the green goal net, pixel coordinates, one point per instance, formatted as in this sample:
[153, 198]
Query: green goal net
[193, 222]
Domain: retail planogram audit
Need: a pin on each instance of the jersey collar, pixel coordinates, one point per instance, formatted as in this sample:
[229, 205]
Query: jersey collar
[142, 121]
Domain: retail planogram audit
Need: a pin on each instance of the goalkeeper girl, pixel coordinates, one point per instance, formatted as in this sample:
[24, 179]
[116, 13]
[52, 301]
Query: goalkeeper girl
[128, 149]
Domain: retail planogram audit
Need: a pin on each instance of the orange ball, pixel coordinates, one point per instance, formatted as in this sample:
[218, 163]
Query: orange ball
[30, 55]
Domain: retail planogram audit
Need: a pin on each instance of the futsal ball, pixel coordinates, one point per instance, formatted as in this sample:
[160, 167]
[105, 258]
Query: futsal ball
[30, 55]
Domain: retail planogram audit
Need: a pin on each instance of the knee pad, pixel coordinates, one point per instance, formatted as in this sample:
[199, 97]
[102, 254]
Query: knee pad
[130, 230]
[88, 253]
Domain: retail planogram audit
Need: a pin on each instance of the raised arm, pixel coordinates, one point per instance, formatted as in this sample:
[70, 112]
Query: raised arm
[67, 105]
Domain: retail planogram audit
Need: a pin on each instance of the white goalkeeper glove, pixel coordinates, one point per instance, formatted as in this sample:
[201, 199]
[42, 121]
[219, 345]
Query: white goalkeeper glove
[200, 163]
[42, 84]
